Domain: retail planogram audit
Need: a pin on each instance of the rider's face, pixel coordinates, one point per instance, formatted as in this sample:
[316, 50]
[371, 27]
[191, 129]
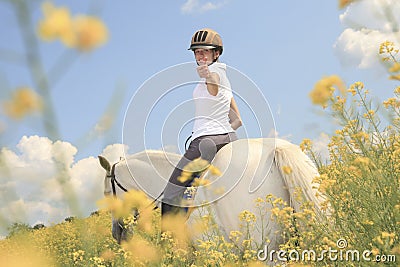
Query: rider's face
[208, 55]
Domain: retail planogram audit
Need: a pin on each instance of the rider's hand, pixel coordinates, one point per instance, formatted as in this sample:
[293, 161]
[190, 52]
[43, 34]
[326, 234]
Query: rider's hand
[202, 69]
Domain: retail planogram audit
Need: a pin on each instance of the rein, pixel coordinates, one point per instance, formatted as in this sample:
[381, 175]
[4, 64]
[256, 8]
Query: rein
[114, 181]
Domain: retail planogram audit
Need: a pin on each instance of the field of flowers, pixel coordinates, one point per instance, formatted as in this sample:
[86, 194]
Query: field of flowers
[360, 183]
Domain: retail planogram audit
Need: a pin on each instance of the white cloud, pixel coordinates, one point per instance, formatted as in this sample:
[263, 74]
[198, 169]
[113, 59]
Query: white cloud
[371, 14]
[15, 210]
[367, 25]
[30, 188]
[114, 152]
[198, 6]
[320, 146]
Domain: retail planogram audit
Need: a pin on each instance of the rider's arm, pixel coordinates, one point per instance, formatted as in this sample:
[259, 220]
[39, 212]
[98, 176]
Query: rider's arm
[234, 115]
[212, 82]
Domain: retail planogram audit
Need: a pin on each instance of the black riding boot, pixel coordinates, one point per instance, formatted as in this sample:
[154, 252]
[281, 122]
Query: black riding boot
[168, 209]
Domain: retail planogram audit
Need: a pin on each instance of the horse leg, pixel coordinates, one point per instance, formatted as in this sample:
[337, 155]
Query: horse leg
[117, 230]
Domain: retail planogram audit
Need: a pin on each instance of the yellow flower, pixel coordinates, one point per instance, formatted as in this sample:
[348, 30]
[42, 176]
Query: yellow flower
[28, 254]
[355, 87]
[326, 184]
[278, 201]
[375, 251]
[352, 91]
[259, 200]
[111, 204]
[339, 104]
[362, 161]
[90, 32]
[235, 235]
[142, 250]
[387, 47]
[388, 235]
[395, 67]
[382, 47]
[344, 3]
[339, 132]
[257, 264]
[214, 170]
[201, 182]
[176, 225]
[185, 176]
[286, 170]
[136, 199]
[324, 89]
[23, 102]
[391, 102]
[197, 166]
[247, 216]
[359, 85]
[368, 222]
[108, 255]
[78, 255]
[395, 77]
[275, 211]
[320, 96]
[370, 114]
[81, 32]
[57, 23]
[305, 144]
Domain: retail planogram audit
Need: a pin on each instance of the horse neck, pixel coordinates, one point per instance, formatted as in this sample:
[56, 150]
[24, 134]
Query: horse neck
[146, 166]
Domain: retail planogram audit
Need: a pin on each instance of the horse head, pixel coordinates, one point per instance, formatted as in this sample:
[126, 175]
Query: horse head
[119, 231]
[107, 180]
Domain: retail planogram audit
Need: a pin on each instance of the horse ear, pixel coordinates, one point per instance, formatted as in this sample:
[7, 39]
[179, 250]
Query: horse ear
[104, 163]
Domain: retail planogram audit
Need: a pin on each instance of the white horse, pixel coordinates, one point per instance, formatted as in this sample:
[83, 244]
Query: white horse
[251, 168]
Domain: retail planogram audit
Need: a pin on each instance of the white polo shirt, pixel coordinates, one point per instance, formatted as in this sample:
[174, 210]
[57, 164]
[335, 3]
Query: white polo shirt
[211, 112]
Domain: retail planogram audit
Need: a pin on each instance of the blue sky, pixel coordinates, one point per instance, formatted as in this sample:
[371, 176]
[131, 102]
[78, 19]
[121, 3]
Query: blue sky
[283, 46]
